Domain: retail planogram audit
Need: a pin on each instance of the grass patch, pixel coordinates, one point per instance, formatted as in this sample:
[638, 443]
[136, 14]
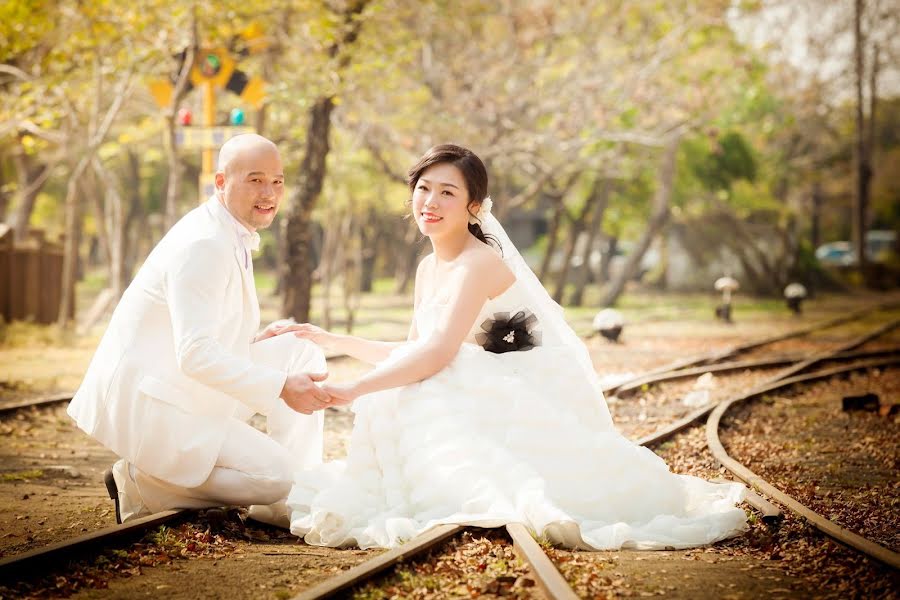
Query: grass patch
[21, 475]
[19, 334]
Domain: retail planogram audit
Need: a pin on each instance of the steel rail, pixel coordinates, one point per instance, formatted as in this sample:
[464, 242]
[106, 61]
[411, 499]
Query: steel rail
[369, 568]
[719, 355]
[824, 524]
[545, 573]
[668, 431]
[39, 559]
[743, 364]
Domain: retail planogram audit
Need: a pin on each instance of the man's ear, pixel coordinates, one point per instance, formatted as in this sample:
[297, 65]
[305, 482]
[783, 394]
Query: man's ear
[220, 181]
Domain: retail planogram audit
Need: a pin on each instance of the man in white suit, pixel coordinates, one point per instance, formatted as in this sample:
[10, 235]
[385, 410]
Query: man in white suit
[180, 369]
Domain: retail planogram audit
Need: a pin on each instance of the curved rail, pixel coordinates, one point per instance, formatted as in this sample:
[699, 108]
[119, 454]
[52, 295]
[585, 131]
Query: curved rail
[843, 352]
[719, 355]
[737, 365]
[825, 525]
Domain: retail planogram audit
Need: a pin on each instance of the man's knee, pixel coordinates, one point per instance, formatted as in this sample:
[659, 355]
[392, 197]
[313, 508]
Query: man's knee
[290, 353]
[272, 490]
[306, 357]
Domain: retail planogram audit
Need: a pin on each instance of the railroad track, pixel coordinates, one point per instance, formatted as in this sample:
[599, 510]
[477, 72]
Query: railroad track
[544, 572]
[678, 369]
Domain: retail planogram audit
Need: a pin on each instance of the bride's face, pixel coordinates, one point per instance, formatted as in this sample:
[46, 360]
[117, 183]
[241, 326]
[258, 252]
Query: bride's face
[440, 200]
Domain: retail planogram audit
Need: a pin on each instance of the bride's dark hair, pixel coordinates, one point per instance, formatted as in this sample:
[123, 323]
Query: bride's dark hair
[473, 173]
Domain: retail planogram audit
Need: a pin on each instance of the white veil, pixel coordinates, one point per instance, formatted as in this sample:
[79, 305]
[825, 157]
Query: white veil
[554, 329]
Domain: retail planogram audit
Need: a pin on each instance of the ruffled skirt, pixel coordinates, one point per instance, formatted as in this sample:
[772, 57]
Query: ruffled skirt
[500, 438]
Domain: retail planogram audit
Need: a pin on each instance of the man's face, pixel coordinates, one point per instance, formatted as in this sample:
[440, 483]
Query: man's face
[252, 186]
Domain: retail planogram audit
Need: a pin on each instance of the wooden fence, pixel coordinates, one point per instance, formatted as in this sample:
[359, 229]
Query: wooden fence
[30, 278]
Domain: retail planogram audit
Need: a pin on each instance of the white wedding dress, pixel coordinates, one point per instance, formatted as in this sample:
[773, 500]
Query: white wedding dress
[497, 438]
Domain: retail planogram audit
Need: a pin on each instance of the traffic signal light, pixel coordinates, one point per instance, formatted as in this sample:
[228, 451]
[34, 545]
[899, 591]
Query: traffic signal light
[215, 66]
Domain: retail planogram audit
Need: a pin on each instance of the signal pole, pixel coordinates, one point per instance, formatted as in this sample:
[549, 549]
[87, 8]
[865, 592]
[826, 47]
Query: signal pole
[215, 68]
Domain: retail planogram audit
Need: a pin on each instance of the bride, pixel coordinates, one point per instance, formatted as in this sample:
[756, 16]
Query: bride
[491, 412]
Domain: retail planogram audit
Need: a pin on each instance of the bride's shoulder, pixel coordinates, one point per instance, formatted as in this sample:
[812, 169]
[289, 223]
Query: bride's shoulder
[486, 264]
[426, 261]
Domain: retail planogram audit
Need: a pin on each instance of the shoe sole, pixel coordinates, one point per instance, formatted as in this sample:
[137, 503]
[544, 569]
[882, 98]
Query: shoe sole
[113, 492]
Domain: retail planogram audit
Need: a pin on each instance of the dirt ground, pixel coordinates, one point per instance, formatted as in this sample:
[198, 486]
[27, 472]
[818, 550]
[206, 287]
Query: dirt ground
[51, 489]
[844, 464]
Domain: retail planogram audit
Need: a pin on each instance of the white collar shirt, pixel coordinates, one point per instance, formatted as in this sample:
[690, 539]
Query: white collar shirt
[246, 240]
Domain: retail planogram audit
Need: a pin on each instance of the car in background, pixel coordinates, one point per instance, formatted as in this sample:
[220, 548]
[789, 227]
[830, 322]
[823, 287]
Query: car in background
[881, 244]
[836, 254]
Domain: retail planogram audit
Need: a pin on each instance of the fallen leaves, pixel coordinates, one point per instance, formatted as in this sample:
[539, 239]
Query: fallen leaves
[161, 546]
[472, 565]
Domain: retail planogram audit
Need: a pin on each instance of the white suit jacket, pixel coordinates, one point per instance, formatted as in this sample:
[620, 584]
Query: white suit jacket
[175, 362]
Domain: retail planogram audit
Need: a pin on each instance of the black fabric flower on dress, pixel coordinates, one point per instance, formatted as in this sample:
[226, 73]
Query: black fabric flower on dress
[505, 333]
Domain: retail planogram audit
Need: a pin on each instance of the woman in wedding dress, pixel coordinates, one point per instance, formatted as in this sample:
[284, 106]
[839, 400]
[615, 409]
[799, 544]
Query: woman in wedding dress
[491, 412]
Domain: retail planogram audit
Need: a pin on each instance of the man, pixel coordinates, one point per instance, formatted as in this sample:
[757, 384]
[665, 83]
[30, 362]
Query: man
[180, 370]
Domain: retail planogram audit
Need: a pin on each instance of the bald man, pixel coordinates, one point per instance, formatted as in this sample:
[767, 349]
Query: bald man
[181, 369]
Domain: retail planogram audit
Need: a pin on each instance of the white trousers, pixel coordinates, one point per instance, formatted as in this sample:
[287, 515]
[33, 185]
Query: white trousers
[253, 467]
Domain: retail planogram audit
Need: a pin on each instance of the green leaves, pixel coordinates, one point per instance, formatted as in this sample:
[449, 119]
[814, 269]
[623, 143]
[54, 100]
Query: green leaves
[727, 159]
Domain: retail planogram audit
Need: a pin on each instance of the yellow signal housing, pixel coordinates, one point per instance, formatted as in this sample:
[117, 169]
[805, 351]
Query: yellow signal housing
[254, 92]
[201, 74]
[161, 90]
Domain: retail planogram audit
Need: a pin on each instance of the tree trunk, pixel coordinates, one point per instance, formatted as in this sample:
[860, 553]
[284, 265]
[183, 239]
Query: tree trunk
[612, 244]
[815, 218]
[368, 243]
[131, 243]
[330, 256]
[173, 161]
[298, 241]
[173, 187]
[114, 221]
[552, 236]
[5, 188]
[662, 277]
[71, 243]
[863, 168]
[97, 199]
[569, 252]
[575, 231]
[583, 274]
[407, 262]
[658, 219]
[352, 265]
[31, 178]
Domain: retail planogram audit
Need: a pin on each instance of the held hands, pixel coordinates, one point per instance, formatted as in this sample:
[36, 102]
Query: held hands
[341, 394]
[301, 393]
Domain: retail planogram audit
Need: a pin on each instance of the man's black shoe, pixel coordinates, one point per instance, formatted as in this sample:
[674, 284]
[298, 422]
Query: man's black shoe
[113, 491]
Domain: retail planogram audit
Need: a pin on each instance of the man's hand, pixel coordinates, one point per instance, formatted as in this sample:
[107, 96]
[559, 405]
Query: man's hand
[301, 393]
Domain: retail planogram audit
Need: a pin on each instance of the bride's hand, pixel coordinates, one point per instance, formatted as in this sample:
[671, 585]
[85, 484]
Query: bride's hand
[274, 328]
[306, 331]
[341, 394]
